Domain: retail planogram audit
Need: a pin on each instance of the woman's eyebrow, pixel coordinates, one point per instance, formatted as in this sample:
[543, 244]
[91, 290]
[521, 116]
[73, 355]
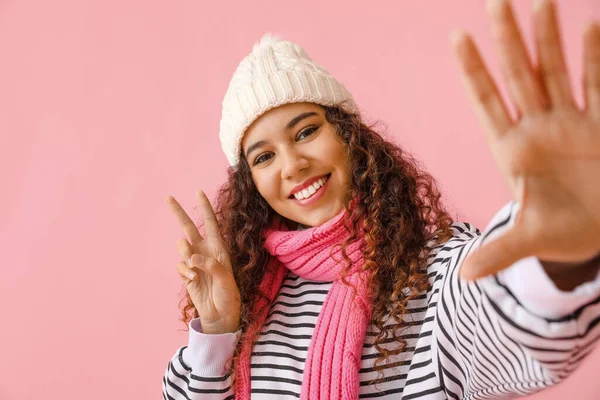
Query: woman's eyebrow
[288, 127]
[299, 118]
[255, 146]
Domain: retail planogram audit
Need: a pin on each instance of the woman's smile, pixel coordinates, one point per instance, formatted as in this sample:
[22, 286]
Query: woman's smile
[312, 193]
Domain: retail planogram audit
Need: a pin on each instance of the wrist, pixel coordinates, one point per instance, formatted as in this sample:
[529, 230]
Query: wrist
[229, 325]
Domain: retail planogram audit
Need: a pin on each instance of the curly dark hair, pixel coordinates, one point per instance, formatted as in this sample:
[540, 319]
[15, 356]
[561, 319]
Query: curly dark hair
[399, 206]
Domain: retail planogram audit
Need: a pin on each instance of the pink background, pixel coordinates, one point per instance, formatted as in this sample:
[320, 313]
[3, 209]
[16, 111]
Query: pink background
[107, 107]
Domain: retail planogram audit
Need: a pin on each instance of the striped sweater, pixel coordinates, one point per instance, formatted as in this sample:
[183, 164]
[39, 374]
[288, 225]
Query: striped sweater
[502, 336]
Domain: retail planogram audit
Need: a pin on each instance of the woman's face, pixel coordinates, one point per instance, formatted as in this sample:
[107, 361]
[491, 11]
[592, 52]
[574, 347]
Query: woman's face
[291, 147]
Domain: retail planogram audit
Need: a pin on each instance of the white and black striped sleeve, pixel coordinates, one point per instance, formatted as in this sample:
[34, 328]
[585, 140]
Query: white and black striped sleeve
[511, 333]
[199, 370]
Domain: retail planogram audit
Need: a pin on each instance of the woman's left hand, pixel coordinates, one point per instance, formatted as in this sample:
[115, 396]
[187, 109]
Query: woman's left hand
[550, 156]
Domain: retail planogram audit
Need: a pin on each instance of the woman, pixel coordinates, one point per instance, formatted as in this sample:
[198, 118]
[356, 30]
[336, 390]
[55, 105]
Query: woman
[330, 269]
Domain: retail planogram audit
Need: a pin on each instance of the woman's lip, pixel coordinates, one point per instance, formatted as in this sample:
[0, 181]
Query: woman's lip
[314, 197]
[312, 181]
[326, 177]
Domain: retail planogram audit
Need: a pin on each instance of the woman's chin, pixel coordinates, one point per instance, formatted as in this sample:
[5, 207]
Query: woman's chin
[320, 216]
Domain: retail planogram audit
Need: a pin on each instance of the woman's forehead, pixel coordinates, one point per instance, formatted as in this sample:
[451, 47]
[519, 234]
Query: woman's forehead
[276, 120]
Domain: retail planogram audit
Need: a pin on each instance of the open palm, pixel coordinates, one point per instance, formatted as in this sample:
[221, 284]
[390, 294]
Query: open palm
[550, 156]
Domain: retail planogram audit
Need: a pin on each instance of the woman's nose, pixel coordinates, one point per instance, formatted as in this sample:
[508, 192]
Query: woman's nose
[293, 162]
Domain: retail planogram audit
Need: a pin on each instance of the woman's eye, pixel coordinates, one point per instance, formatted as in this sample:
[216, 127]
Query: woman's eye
[260, 159]
[307, 131]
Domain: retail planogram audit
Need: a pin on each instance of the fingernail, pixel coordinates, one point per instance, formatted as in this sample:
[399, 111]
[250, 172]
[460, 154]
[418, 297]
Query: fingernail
[456, 35]
[192, 276]
[189, 262]
[199, 260]
[538, 4]
[590, 26]
[495, 5]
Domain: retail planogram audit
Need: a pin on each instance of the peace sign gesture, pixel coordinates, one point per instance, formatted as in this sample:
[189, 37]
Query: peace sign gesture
[550, 156]
[209, 276]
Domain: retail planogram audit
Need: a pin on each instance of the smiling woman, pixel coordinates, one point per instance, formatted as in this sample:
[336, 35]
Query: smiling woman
[330, 268]
[292, 147]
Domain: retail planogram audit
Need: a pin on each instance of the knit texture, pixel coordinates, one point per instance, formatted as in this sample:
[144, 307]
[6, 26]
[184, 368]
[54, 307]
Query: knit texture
[334, 354]
[276, 72]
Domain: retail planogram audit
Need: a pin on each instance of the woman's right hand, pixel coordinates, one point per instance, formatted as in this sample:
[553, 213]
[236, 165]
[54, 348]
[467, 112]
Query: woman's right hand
[209, 277]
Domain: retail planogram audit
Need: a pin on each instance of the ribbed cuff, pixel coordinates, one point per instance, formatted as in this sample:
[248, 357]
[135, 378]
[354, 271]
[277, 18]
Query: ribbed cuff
[528, 282]
[207, 354]
[534, 289]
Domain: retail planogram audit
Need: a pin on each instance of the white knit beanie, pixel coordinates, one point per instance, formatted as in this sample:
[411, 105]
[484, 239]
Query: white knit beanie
[275, 73]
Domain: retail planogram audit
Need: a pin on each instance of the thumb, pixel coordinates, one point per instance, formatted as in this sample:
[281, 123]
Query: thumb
[496, 255]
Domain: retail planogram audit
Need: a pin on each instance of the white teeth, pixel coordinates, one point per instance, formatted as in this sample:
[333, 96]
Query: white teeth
[309, 191]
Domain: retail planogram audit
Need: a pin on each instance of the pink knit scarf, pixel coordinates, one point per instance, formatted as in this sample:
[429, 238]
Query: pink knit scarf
[334, 354]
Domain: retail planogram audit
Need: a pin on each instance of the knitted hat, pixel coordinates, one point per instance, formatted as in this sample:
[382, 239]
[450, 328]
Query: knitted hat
[275, 73]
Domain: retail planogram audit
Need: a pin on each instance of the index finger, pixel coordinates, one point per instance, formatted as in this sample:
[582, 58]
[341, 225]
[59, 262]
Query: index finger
[184, 220]
[481, 88]
[210, 220]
